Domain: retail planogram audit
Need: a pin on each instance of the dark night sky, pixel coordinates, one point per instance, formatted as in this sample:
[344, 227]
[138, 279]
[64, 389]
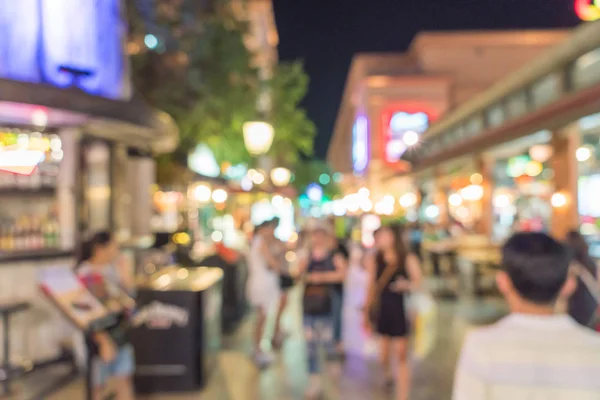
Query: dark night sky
[327, 33]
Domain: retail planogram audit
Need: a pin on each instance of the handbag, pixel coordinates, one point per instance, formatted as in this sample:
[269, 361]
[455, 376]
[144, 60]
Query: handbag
[422, 310]
[385, 278]
[317, 300]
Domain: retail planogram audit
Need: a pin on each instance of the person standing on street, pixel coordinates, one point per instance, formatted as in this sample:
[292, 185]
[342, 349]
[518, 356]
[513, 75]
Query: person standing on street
[262, 288]
[394, 272]
[322, 268]
[337, 294]
[535, 352]
[583, 303]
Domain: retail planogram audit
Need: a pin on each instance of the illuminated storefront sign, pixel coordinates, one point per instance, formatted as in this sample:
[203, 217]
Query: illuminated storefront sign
[588, 10]
[360, 145]
[397, 125]
[65, 43]
[21, 153]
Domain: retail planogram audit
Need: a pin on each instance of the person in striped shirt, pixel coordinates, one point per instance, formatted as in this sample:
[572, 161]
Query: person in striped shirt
[534, 353]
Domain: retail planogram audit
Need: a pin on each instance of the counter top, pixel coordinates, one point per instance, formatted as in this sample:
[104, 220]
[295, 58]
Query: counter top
[34, 255]
[185, 279]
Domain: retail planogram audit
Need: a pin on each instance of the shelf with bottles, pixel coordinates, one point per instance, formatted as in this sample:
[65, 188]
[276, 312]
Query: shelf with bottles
[29, 232]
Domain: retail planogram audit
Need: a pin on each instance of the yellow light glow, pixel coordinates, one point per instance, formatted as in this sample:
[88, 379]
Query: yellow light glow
[290, 256]
[408, 200]
[558, 200]
[502, 201]
[534, 168]
[281, 176]
[202, 193]
[472, 193]
[476, 179]
[182, 273]
[455, 200]
[181, 238]
[258, 137]
[583, 154]
[219, 196]
[293, 238]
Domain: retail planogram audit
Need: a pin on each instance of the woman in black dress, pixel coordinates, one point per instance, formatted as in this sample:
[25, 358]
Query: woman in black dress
[393, 273]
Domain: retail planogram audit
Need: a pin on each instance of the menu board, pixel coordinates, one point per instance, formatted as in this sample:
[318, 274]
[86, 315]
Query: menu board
[68, 293]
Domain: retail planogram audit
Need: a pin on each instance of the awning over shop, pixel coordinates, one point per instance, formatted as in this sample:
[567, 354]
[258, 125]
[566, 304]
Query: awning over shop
[132, 122]
[556, 89]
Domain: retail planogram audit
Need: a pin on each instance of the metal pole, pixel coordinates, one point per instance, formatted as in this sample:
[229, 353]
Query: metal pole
[6, 361]
[89, 384]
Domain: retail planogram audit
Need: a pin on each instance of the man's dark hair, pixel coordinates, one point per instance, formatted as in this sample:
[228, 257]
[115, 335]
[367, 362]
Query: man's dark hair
[537, 265]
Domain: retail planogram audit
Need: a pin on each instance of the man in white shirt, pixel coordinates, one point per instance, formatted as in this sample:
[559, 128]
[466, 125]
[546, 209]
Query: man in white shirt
[534, 353]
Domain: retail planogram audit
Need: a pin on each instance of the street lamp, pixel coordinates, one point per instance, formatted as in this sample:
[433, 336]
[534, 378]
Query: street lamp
[281, 176]
[258, 137]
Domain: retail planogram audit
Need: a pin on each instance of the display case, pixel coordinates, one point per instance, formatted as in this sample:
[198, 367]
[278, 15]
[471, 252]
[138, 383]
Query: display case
[29, 169]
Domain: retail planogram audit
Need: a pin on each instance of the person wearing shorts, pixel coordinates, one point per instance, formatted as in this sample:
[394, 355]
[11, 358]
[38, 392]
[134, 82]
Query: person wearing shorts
[96, 270]
[262, 289]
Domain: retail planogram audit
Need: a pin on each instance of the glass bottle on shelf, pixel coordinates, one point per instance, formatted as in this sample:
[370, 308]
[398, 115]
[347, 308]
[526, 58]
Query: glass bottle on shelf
[10, 239]
[36, 234]
[22, 181]
[35, 179]
[4, 232]
[26, 235]
[17, 234]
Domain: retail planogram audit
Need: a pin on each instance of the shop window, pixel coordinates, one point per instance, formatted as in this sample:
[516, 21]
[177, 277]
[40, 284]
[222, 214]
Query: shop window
[516, 105]
[546, 90]
[495, 115]
[586, 71]
[474, 126]
[433, 147]
[95, 183]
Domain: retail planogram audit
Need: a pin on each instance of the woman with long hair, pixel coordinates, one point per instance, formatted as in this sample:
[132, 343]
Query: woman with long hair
[582, 304]
[394, 272]
[98, 271]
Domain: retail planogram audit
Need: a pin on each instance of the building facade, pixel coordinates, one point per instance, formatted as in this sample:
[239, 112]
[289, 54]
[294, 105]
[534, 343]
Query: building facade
[387, 95]
[73, 138]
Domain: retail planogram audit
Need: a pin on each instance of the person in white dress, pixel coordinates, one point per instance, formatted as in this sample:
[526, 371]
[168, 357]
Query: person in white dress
[262, 288]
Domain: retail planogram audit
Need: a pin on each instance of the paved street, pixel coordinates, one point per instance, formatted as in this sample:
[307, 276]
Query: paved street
[356, 379]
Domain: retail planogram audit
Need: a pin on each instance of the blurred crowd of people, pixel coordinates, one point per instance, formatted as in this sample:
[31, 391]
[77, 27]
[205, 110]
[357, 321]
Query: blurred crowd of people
[543, 349]
[547, 347]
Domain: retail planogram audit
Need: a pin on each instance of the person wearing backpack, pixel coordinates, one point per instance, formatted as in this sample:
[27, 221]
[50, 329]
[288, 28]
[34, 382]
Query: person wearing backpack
[322, 268]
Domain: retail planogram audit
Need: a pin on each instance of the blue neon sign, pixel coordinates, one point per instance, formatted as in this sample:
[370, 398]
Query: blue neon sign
[360, 145]
[65, 43]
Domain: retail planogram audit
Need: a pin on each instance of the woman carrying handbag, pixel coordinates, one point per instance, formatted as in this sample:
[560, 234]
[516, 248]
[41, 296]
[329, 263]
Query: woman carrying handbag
[394, 273]
[322, 268]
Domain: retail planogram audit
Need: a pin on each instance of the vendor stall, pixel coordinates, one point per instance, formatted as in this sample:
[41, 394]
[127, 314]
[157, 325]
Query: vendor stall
[72, 135]
[177, 329]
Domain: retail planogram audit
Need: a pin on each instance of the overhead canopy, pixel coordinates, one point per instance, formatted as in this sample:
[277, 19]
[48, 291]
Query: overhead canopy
[132, 122]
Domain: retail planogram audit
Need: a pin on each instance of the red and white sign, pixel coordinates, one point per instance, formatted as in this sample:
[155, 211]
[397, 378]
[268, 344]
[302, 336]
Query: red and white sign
[399, 123]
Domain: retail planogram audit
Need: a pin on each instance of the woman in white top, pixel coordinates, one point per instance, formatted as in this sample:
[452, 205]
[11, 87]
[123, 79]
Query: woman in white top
[262, 288]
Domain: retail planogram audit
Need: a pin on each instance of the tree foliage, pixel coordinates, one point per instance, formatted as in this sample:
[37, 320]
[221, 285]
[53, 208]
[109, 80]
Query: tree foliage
[202, 74]
[309, 172]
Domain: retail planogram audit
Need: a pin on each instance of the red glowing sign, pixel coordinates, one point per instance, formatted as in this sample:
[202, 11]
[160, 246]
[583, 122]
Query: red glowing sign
[588, 10]
[402, 127]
